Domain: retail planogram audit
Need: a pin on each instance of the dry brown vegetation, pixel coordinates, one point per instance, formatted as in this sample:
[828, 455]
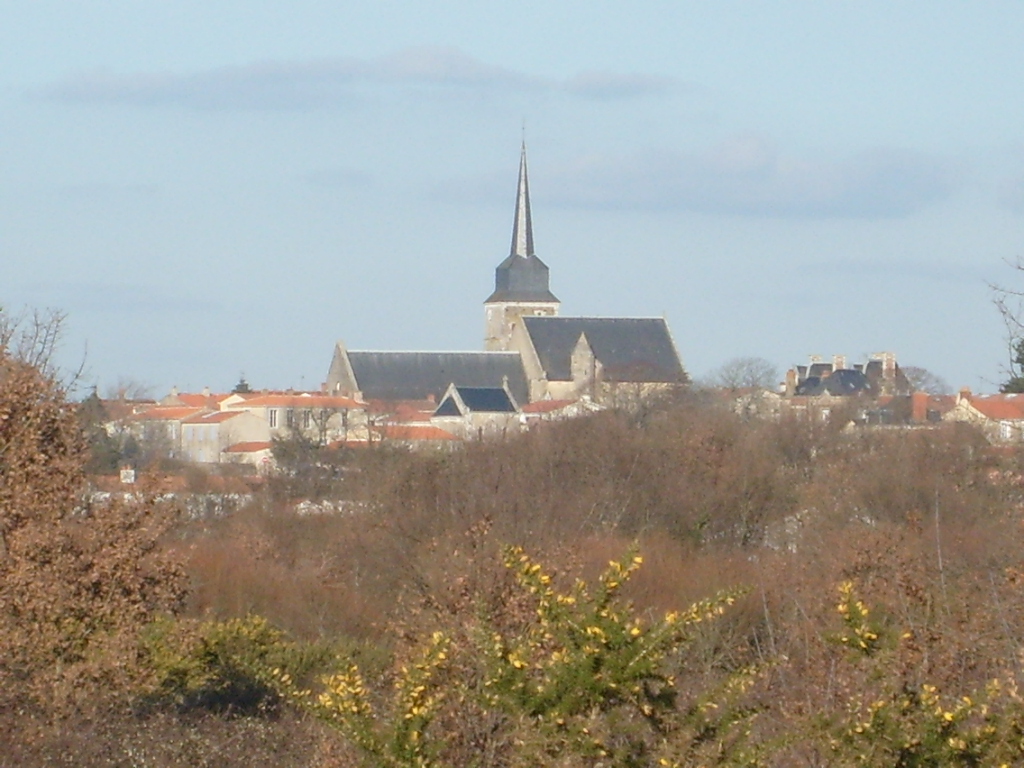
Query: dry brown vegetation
[925, 526]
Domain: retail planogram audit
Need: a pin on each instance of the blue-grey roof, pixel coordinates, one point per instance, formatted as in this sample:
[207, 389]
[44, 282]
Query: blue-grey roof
[843, 382]
[629, 349]
[478, 399]
[418, 375]
[521, 278]
[448, 407]
[487, 399]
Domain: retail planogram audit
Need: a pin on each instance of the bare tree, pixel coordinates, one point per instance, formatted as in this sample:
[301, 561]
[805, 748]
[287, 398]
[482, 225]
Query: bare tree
[33, 337]
[745, 373]
[1010, 303]
[923, 380]
[128, 388]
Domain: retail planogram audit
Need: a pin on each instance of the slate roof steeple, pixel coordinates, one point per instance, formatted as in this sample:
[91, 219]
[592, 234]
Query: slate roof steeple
[522, 226]
[522, 277]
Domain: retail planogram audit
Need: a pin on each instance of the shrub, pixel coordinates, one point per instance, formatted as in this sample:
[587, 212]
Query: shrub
[222, 666]
[578, 675]
[76, 582]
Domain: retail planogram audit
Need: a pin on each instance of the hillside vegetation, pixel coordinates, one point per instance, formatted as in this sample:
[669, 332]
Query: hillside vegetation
[675, 586]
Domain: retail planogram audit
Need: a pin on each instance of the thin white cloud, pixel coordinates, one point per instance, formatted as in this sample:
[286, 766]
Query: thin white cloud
[748, 176]
[115, 298]
[336, 82]
[898, 269]
[614, 85]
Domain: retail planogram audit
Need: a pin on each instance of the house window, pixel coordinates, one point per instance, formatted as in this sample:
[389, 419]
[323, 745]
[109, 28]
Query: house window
[272, 418]
[307, 418]
[289, 418]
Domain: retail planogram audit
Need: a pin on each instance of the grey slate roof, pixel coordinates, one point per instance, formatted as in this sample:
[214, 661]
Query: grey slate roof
[487, 399]
[478, 399]
[630, 349]
[417, 375]
[521, 278]
[843, 382]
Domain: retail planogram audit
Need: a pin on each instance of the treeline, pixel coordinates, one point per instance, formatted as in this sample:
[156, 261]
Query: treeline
[669, 586]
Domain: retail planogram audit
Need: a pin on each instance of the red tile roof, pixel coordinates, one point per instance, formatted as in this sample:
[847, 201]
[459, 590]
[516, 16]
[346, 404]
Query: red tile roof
[216, 417]
[414, 432]
[999, 407]
[119, 408]
[403, 410]
[168, 413]
[251, 446]
[298, 401]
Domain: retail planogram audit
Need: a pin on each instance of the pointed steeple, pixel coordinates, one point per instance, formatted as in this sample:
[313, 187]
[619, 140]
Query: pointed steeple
[522, 226]
[522, 277]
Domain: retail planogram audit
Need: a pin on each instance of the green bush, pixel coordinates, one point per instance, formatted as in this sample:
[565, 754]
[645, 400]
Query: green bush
[223, 666]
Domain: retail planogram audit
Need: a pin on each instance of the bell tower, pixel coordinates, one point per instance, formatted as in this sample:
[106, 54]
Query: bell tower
[521, 280]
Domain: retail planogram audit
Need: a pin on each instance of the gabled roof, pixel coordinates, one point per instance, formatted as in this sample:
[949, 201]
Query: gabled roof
[402, 410]
[459, 400]
[489, 399]
[999, 407]
[216, 417]
[194, 399]
[298, 400]
[413, 432]
[420, 375]
[630, 349]
[167, 413]
[252, 446]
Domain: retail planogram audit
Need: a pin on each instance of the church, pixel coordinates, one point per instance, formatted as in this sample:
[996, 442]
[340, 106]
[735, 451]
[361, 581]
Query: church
[529, 350]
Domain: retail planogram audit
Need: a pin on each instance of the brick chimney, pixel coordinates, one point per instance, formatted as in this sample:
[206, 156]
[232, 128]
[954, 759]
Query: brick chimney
[790, 385]
[919, 407]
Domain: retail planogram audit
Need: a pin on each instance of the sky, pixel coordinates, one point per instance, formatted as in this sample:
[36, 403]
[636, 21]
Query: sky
[210, 190]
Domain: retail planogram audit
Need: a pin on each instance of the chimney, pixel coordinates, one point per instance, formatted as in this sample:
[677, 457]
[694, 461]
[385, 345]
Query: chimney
[206, 391]
[838, 362]
[790, 387]
[888, 360]
[919, 407]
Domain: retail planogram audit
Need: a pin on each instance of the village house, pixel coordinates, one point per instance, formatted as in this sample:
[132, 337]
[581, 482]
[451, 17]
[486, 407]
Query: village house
[873, 392]
[207, 434]
[1000, 417]
[239, 427]
[314, 416]
[477, 412]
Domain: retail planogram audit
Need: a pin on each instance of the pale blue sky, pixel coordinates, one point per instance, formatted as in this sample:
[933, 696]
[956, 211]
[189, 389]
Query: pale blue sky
[211, 188]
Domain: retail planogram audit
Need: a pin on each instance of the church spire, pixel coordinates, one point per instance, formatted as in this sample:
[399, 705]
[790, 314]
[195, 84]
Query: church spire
[522, 227]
